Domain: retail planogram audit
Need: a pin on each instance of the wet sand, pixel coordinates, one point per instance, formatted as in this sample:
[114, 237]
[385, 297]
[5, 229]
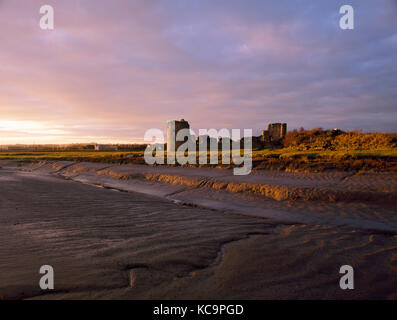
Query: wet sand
[107, 244]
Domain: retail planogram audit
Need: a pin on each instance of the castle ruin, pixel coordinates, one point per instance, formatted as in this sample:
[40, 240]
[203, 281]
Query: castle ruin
[173, 127]
[273, 136]
[274, 133]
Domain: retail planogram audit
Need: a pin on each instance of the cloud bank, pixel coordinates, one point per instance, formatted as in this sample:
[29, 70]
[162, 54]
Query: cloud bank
[113, 69]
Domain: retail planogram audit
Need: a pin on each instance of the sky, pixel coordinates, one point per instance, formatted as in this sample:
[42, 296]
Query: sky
[110, 70]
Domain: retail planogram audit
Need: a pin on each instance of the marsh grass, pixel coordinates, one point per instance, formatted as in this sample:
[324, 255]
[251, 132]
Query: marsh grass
[304, 150]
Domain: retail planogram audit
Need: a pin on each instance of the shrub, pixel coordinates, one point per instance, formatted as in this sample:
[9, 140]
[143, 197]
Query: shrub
[322, 140]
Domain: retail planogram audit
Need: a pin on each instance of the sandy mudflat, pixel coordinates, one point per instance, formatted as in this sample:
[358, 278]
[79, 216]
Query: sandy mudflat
[235, 239]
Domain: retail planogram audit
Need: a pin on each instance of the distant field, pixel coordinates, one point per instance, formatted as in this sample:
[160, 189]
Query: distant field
[285, 159]
[268, 153]
[307, 161]
[303, 150]
[68, 155]
[291, 153]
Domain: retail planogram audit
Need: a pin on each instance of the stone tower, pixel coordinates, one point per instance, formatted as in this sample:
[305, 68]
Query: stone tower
[173, 127]
[277, 131]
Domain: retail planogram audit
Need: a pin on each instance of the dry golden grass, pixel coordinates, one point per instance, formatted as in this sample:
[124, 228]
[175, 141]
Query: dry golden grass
[337, 140]
[304, 150]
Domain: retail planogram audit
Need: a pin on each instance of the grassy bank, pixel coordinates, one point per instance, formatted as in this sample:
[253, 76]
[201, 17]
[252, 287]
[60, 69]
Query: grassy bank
[303, 150]
[303, 161]
[285, 159]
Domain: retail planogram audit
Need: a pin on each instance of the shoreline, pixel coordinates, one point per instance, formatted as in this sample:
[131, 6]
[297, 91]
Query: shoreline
[289, 197]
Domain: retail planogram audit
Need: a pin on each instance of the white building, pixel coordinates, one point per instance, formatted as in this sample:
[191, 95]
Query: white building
[105, 147]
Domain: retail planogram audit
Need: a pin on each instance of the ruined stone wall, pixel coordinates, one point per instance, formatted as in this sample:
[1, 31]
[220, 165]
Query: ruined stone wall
[277, 131]
[173, 127]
